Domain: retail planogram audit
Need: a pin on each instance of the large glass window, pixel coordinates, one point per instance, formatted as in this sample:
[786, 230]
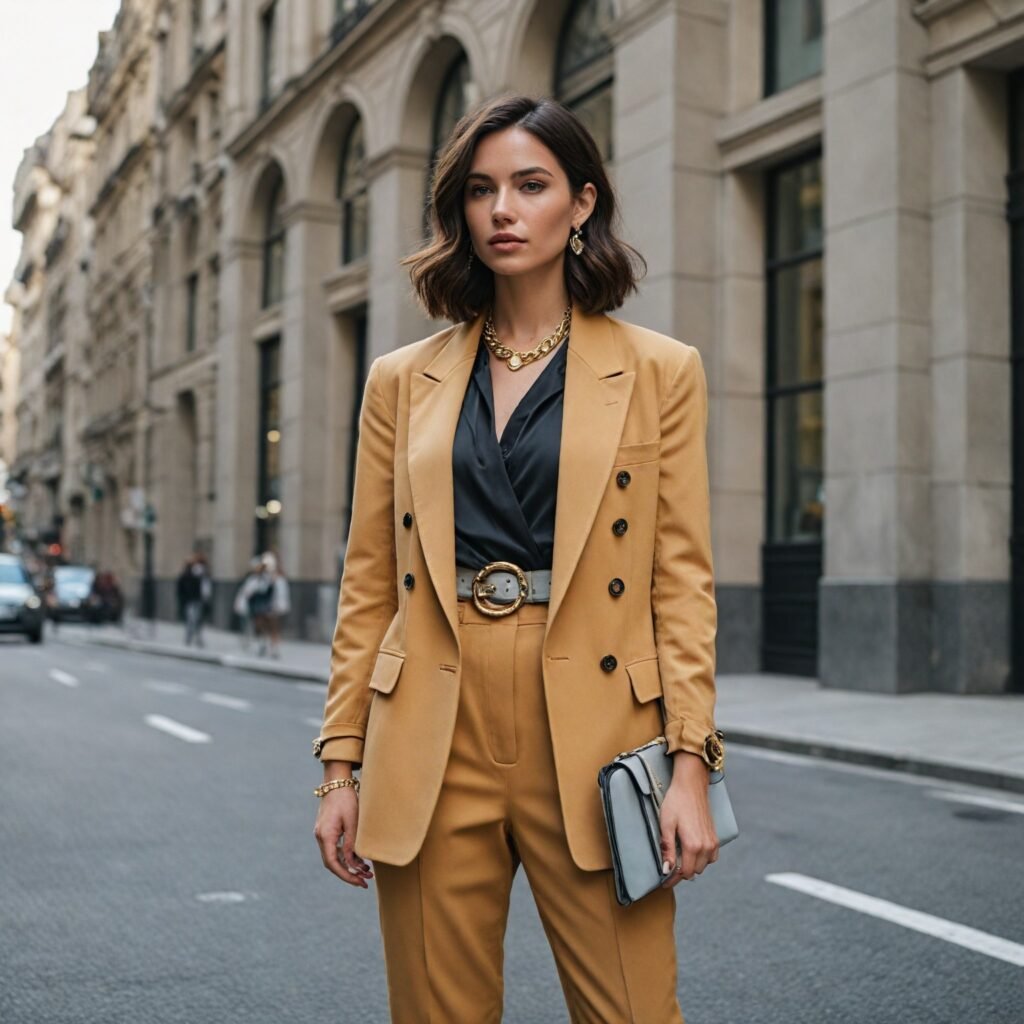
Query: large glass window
[583, 74]
[273, 246]
[792, 34]
[795, 293]
[452, 103]
[348, 14]
[191, 311]
[353, 194]
[268, 52]
[268, 497]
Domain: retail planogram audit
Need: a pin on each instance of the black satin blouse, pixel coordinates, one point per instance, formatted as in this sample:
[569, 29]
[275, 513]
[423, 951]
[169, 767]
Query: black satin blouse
[505, 492]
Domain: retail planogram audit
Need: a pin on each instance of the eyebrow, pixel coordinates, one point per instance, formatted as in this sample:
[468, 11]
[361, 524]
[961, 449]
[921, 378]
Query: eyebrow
[515, 174]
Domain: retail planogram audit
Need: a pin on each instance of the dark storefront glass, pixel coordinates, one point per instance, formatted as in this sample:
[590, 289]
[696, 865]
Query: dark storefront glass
[795, 500]
[583, 75]
[268, 498]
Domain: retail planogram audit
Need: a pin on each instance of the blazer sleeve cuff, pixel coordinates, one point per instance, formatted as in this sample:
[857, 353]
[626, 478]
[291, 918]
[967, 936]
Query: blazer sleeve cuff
[687, 734]
[343, 748]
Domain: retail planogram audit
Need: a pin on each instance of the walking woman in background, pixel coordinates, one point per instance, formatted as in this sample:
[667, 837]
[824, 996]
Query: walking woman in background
[527, 591]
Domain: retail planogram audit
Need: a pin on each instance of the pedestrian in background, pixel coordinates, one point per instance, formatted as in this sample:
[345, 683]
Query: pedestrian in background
[269, 600]
[241, 603]
[195, 589]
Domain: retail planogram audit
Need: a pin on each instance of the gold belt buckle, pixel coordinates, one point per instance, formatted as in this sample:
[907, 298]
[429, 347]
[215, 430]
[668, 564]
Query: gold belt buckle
[481, 590]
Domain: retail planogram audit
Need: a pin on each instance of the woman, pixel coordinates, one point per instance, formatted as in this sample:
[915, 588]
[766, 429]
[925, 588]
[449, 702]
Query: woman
[538, 447]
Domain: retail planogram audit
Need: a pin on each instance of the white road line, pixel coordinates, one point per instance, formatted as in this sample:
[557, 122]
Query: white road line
[173, 728]
[159, 686]
[318, 688]
[65, 678]
[980, 801]
[938, 927]
[224, 701]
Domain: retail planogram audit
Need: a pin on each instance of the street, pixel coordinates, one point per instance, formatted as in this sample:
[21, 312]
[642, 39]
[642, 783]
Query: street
[159, 866]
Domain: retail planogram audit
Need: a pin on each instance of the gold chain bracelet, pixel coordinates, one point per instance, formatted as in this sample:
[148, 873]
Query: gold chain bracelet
[324, 789]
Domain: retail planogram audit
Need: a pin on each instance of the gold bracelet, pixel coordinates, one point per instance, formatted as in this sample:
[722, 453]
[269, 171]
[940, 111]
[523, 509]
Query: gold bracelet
[324, 789]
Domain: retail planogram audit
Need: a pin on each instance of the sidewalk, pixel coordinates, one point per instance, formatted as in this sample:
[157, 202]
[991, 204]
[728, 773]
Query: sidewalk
[976, 740]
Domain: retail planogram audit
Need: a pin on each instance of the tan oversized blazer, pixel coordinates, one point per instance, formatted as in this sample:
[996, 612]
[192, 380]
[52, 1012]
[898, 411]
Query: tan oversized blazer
[634, 400]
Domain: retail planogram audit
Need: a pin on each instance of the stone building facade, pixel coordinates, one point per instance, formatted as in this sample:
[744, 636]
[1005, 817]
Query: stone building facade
[827, 199]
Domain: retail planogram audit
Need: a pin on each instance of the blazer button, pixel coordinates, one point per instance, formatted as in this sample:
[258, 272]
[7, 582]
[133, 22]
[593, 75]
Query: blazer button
[409, 581]
[609, 663]
[623, 478]
[407, 520]
[619, 527]
[616, 587]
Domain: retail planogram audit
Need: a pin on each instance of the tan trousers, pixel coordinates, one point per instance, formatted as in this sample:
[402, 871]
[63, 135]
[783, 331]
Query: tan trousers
[443, 915]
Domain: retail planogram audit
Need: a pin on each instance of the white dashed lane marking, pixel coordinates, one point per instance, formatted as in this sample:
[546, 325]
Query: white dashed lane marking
[927, 924]
[62, 677]
[176, 729]
[159, 686]
[224, 701]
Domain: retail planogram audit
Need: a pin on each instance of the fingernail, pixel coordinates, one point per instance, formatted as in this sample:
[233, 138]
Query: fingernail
[665, 866]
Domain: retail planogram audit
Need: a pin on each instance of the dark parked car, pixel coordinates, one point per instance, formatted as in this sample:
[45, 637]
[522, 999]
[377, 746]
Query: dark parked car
[69, 597]
[21, 610]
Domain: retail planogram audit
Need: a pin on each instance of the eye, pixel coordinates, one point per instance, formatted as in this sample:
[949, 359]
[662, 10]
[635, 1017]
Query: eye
[473, 189]
[539, 184]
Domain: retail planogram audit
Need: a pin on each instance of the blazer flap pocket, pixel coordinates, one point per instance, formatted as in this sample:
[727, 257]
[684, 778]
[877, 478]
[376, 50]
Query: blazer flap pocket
[386, 670]
[645, 451]
[645, 679]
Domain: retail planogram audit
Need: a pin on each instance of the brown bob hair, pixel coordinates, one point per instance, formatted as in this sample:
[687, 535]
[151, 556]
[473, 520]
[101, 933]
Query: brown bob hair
[599, 280]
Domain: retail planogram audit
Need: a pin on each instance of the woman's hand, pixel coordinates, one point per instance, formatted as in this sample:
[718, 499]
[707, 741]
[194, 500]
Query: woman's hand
[685, 814]
[338, 817]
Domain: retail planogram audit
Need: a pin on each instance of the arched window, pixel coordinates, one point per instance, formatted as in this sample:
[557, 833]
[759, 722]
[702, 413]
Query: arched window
[452, 103]
[273, 246]
[584, 69]
[353, 195]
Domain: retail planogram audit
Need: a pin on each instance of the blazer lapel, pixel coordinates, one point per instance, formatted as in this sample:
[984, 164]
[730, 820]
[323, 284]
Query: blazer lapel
[594, 405]
[597, 394]
[435, 401]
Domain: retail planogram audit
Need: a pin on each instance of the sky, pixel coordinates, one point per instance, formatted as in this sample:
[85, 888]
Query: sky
[46, 50]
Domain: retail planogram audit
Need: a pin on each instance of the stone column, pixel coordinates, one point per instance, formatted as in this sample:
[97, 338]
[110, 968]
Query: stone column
[397, 178]
[311, 246]
[874, 612]
[970, 350]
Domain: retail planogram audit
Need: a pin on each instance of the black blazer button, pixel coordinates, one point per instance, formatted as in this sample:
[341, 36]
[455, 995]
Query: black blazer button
[619, 527]
[407, 520]
[616, 587]
[623, 478]
[409, 581]
[609, 663]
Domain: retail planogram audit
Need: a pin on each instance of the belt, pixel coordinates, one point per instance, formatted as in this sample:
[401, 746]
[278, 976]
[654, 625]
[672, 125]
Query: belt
[499, 588]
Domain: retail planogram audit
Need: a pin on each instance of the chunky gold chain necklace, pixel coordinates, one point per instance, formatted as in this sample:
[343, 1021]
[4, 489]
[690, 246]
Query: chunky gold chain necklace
[517, 360]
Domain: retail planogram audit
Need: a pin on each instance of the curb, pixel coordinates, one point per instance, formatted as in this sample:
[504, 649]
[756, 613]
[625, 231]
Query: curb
[950, 771]
[239, 661]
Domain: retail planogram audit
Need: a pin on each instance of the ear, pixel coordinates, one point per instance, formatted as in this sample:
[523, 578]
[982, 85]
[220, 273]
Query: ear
[583, 204]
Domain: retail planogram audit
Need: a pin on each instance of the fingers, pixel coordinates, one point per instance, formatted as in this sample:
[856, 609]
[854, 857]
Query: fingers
[335, 833]
[695, 856]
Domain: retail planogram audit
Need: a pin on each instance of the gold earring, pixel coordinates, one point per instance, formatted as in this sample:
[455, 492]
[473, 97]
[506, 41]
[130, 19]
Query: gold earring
[576, 241]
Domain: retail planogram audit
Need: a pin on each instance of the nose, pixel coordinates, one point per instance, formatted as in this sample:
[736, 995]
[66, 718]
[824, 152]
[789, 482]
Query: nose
[501, 212]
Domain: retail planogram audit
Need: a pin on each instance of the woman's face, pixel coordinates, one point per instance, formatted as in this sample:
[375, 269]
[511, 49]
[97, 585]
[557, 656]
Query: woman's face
[517, 187]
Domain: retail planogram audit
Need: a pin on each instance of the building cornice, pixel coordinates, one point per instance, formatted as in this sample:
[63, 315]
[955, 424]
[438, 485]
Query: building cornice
[201, 74]
[775, 127]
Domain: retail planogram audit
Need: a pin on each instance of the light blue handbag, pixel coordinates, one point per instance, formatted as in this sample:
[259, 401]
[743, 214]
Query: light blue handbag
[633, 786]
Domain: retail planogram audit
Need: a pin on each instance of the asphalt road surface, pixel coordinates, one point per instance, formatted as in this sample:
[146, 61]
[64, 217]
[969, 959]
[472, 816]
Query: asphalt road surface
[158, 866]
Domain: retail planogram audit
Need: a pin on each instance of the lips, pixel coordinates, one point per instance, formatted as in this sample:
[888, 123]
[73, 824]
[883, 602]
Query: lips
[503, 237]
